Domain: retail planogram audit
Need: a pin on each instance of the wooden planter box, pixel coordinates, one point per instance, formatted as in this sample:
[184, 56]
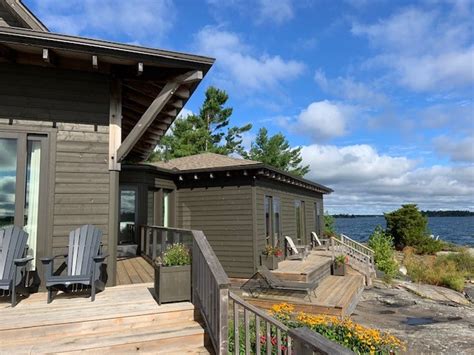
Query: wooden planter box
[270, 261]
[338, 269]
[172, 283]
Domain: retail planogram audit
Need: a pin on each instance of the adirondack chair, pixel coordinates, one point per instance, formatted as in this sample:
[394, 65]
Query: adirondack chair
[83, 262]
[13, 259]
[297, 252]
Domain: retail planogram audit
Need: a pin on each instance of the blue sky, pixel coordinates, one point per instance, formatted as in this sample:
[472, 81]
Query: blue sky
[378, 93]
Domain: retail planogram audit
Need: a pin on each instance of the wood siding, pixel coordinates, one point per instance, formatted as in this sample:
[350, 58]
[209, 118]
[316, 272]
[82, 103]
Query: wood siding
[51, 94]
[224, 214]
[287, 195]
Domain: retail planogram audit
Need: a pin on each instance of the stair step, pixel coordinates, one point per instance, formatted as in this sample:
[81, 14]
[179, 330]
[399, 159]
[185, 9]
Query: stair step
[152, 338]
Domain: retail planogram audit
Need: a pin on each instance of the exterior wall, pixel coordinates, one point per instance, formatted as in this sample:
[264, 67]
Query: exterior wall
[224, 214]
[74, 109]
[287, 195]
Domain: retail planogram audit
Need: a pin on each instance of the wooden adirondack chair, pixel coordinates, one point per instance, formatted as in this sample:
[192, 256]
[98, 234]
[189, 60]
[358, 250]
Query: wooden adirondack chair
[83, 262]
[13, 259]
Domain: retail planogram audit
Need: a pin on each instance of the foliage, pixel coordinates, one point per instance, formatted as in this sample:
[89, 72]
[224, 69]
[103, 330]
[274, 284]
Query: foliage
[276, 151]
[408, 227]
[446, 270]
[382, 245]
[206, 132]
[262, 338]
[329, 225]
[341, 259]
[176, 255]
[360, 339]
[270, 250]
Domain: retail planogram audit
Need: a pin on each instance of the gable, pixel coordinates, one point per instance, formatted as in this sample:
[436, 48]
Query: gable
[13, 13]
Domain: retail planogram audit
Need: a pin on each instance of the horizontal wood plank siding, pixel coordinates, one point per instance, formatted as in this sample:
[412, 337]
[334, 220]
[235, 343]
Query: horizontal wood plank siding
[288, 195]
[224, 214]
[51, 94]
[81, 191]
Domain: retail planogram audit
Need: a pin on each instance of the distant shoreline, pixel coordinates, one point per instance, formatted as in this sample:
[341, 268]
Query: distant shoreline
[425, 213]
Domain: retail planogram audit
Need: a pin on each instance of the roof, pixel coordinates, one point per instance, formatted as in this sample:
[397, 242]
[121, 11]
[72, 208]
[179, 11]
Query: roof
[205, 161]
[23, 15]
[211, 162]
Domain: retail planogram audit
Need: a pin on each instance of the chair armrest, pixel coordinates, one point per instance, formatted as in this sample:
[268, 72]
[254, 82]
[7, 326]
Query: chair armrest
[100, 258]
[47, 260]
[23, 261]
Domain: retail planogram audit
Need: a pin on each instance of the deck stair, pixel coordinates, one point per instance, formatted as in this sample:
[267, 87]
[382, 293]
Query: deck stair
[123, 319]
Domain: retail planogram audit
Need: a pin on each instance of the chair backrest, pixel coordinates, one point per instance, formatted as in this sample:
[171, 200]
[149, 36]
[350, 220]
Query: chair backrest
[267, 274]
[84, 243]
[292, 245]
[315, 238]
[13, 241]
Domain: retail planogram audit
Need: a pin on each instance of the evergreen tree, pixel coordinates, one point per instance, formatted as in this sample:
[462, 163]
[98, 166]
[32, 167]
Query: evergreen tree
[276, 151]
[206, 132]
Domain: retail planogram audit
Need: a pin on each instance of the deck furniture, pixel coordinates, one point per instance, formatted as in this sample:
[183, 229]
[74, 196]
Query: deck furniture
[315, 240]
[83, 262]
[297, 252]
[255, 284]
[13, 259]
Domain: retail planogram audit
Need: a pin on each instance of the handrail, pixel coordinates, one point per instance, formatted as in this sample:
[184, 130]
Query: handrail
[352, 241]
[210, 284]
[356, 258]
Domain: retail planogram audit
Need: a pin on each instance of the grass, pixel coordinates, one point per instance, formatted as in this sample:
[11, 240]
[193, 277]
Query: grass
[449, 270]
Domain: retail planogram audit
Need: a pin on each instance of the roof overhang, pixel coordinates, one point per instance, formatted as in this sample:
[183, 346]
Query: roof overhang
[24, 15]
[143, 72]
[254, 170]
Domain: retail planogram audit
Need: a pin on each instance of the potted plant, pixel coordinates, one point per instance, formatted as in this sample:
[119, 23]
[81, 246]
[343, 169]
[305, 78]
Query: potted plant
[271, 256]
[173, 274]
[339, 265]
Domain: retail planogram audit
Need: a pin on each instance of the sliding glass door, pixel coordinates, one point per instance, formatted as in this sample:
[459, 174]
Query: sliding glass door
[23, 185]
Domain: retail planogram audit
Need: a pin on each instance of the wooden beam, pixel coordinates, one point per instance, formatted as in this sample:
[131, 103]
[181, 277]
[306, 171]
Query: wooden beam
[95, 62]
[8, 53]
[49, 57]
[182, 93]
[115, 124]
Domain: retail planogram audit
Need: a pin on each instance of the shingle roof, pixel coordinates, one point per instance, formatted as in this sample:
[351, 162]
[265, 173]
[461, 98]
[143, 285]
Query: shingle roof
[204, 161]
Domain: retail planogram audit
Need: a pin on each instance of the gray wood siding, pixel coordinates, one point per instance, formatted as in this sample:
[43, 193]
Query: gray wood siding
[287, 196]
[224, 214]
[81, 182]
[51, 94]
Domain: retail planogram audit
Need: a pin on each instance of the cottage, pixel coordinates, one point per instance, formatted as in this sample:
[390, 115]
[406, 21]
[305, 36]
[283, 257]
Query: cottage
[241, 205]
[72, 110]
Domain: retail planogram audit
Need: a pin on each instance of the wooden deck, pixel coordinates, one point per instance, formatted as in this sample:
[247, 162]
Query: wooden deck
[134, 270]
[314, 268]
[335, 295]
[122, 319]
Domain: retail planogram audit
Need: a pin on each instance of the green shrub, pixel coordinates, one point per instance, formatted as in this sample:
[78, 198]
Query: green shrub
[408, 227]
[176, 255]
[453, 281]
[329, 225]
[382, 245]
[464, 261]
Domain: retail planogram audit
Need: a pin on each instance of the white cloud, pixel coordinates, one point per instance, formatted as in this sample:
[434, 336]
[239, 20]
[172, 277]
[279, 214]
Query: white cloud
[321, 120]
[458, 150]
[366, 181]
[239, 67]
[278, 11]
[140, 21]
[428, 50]
[349, 89]
[184, 113]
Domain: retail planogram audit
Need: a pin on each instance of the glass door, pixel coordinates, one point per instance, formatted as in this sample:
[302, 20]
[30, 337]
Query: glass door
[128, 215]
[22, 186]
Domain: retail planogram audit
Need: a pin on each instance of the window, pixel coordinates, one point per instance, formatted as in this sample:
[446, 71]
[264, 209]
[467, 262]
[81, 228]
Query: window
[276, 209]
[317, 218]
[268, 219]
[150, 215]
[128, 214]
[22, 171]
[166, 211]
[300, 221]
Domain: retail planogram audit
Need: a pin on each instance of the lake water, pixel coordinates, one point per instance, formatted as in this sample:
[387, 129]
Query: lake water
[459, 230]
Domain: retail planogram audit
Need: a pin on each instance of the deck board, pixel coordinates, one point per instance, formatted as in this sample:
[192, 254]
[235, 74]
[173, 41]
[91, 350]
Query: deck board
[134, 270]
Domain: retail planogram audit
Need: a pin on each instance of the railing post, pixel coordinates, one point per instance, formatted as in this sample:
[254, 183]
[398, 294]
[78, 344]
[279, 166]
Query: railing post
[153, 245]
[223, 321]
[333, 249]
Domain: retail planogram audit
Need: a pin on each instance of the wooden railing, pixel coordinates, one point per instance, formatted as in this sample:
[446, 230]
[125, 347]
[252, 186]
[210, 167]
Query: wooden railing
[358, 246]
[253, 331]
[359, 260]
[210, 284]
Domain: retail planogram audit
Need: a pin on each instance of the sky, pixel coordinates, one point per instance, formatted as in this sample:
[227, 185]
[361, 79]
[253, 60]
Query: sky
[378, 93]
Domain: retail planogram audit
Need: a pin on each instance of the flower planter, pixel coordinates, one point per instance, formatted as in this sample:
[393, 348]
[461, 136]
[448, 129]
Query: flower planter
[338, 269]
[270, 261]
[172, 283]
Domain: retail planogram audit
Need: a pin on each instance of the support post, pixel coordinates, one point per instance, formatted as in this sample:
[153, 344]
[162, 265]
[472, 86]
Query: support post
[115, 137]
